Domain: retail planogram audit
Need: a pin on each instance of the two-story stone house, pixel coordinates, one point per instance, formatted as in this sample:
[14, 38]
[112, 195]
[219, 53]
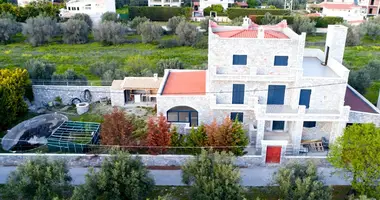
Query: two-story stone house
[264, 76]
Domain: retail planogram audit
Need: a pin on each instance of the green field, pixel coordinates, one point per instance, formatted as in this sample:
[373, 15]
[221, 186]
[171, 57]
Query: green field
[80, 57]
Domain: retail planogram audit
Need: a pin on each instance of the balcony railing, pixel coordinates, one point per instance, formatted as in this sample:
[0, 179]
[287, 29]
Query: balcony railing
[255, 74]
[249, 105]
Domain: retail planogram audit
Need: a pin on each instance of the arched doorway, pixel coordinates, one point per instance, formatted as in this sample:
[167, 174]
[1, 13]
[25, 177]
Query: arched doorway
[183, 114]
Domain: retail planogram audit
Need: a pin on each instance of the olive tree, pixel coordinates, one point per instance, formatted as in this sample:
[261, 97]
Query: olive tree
[187, 33]
[174, 21]
[356, 152]
[213, 176]
[40, 30]
[172, 63]
[373, 29]
[270, 19]
[109, 33]
[120, 177]
[8, 27]
[39, 69]
[150, 32]
[303, 24]
[300, 181]
[353, 35]
[83, 17]
[136, 21]
[75, 31]
[110, 16]
[38, 179]
[360, 80]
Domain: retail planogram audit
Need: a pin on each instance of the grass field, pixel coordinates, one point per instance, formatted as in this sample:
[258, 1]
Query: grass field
[80, 57]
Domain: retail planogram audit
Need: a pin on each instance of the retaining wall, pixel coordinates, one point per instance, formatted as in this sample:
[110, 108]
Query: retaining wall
[47, 93]
[87, 160]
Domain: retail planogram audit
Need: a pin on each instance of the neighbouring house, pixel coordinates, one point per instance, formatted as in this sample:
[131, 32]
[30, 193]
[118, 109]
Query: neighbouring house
[135, 90]
[168, 3]
[25, 2]
[200, 5]
[290, 99]
[94, 9]
[348, 11]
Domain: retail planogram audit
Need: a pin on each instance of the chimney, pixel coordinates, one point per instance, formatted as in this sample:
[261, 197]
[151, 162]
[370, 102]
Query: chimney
[246, 22]
[260, 32]
[335, 42]
[155, 76]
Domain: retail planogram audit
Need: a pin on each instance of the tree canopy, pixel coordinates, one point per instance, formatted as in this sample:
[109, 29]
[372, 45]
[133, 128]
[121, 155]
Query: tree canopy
[357, 152]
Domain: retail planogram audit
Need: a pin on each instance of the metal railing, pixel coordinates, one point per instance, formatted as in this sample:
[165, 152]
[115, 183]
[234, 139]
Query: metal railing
[72, 82]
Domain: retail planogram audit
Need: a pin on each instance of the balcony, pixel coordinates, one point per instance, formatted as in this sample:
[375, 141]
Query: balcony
[289, 113]
[285, 74]
[249, 105]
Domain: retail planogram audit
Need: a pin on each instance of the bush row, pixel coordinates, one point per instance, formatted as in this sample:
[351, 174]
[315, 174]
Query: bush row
[158, 13]
[31, 10]
[321, 22]
[242, 12]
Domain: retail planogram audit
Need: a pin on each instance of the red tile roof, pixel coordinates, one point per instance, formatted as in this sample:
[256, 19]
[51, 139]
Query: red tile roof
[185, 83]
[242, 4]
[356, 103]
[331, 5]
[251, 34]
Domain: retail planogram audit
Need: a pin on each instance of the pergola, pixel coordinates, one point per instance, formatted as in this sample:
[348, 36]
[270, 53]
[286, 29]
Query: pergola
[73, 136]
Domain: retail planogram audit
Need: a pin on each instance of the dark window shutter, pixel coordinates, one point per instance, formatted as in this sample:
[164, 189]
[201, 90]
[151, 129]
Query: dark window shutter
[281, 61]
[305, 97]
[238, 94]
[239, 60]
[309, 124]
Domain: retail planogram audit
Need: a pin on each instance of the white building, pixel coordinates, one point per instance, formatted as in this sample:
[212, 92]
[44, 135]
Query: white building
[94, 8]
[348, 11]
[169, 3]
[284, 94]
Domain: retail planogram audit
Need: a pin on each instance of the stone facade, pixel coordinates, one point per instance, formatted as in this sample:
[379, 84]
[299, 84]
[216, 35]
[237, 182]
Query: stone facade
[87, 160]
[47, 93]
[325, 107]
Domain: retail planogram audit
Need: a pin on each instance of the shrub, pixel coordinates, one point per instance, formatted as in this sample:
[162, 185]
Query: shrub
[202, 42]
[373, 70]
[213, 176]
[109, 71]
[38, 179]
[12, 91]
[109, 33]
[372, 29]
[39, 69]
[33, 9]
[150, 32]
[196, 138]
[136, 21]
[353, 35]
[270, 19]
[301, 181]
[187, 33]
[121, 3]
[9, 28]
[323, 22]
[117, 129]
[218, 8]
[71, 76]
[172, 63]
[205, 24]
[83, 17]
[119, 177]
[303, 24]
[138, 66]
[158, 134]
[40, 30]
[168, 43]
[242, 12]
[229, 133]
[109, 17]
[174, 22]
[238, 21]
[159, 13]
[276, 3]
[75, 32]
[360, 80]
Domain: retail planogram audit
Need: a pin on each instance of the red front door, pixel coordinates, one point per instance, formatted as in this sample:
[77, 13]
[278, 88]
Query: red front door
[273, 154]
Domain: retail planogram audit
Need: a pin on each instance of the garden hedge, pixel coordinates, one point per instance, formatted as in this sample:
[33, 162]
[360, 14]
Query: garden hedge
[31, 10]
[242, 12]
[159, 13]
[321, 22]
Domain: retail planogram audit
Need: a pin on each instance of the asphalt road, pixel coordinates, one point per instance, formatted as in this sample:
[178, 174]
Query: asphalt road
[258, 176]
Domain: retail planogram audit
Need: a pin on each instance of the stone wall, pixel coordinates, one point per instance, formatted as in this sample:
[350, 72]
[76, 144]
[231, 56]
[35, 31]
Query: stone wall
[363, 117]
[84, 160]
[47, 93]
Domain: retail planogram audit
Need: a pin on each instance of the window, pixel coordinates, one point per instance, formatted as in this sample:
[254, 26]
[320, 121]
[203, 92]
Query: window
[77, 8]
[237, 115]
[281, 61]
[278, 125]
[172, 116]
[69, 8]
[239, 60]
[183, 114]
[309, 124]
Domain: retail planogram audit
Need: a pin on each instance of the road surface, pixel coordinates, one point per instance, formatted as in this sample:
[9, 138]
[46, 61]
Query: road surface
[258, 176]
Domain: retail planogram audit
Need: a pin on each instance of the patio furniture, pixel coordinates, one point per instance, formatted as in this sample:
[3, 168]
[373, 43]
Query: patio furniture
[304, 149]
[315, 145]
[325, 143]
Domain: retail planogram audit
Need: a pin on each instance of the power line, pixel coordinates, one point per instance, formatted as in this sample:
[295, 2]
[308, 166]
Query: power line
[198, 93]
